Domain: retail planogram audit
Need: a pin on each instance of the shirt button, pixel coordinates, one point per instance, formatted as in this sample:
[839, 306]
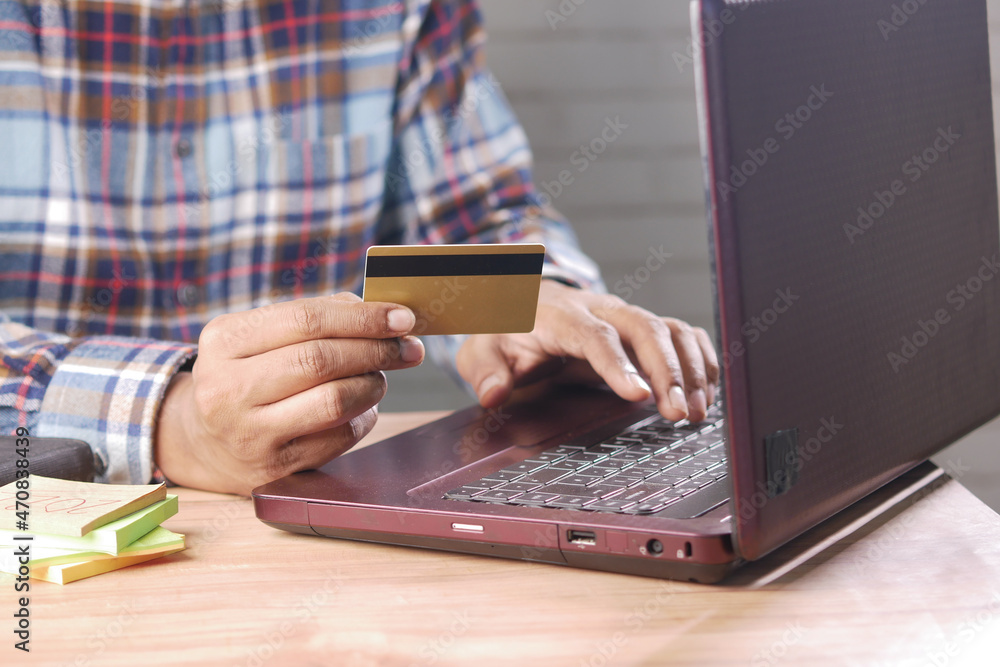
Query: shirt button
[183, 148]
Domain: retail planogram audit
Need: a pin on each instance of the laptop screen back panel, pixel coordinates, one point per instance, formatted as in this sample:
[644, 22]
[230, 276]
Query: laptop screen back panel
[852, 178]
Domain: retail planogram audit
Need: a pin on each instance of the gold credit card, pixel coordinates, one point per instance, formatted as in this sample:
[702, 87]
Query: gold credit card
[459, 289]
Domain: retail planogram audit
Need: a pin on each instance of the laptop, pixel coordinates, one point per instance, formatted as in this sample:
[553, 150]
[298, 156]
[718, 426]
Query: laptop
[852, 200]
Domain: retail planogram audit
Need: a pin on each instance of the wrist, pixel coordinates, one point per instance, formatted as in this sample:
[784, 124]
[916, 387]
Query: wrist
[171, 438]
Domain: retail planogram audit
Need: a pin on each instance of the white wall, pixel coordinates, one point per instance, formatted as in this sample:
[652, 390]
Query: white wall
[614, 59]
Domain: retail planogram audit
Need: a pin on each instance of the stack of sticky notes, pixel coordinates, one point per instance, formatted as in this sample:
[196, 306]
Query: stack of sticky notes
[79, 529]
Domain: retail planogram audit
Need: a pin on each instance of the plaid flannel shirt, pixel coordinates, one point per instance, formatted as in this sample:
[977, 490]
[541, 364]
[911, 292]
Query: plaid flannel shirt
[163, 162]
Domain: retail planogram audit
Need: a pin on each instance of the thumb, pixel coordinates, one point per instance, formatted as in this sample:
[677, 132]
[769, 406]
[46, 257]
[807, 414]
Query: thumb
[482, 363]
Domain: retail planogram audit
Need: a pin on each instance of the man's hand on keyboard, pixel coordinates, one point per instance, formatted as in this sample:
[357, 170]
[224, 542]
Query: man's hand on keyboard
[587, 337]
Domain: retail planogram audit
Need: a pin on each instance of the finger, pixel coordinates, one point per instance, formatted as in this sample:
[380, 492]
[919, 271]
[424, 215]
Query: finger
[652, 343]
[711, 362]
[241, 335]
[281, 373]
[313, 451]
[482, 363]
[324, 407]
[693, 367]
[597, 341]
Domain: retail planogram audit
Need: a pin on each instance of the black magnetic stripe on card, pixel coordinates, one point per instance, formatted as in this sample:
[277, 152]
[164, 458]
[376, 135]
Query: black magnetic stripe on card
[406, 266]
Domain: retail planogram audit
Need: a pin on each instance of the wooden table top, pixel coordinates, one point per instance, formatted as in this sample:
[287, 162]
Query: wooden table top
[902, 579]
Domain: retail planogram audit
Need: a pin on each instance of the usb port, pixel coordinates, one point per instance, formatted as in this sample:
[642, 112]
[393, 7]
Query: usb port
[581, 536]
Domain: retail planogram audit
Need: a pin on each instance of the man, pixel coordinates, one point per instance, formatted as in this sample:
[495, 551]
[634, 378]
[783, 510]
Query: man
[176, 173]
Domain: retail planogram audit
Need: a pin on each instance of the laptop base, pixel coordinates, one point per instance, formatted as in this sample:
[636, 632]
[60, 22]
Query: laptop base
[643, 567]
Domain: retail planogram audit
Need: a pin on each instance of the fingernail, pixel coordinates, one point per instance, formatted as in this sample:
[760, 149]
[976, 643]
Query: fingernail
[487, 385]
[637, 380]
[410, 349]
[401, 319]
[677, 399]
[711, 394]
[698, 403]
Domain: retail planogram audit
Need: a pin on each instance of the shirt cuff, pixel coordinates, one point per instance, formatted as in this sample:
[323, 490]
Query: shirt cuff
[107, 392]
[443, 350]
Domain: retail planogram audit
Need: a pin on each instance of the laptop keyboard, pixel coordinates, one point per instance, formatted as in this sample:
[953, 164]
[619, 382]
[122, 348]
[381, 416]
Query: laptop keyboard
[643, 469]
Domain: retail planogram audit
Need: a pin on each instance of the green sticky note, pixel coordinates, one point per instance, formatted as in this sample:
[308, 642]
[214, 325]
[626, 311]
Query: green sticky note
[110, 538]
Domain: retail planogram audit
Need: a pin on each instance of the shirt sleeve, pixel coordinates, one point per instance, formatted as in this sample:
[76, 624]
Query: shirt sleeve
[104, 390]
[461, 167]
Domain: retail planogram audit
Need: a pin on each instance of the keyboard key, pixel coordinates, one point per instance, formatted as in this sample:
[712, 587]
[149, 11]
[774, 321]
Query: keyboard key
[685, 450]
[604, 448]
[565, 450]
[524, 467]
[579, 480]
[640, 492]
[705, 441]
[463, 492]
[634, 472]
[699, 457]
[587, 456]
[536, 498]
[609, 505]
[547, 457]
[619, 481]
[653, 505]
[572, 465]
[666, 458]
[545, 475]
[703, 479]
[685, 488]
[601, 470]
[646, 469]
[603, 490]
[485, 483]
[625, 444]
[502, 476]
[568, 501]
[682, 471]
[695, 463]
[618, 464]
[700, 462]
[667, 477]
[569, 489]
[628, 455]
[497, 495]
[687, 427]
[521, 487]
